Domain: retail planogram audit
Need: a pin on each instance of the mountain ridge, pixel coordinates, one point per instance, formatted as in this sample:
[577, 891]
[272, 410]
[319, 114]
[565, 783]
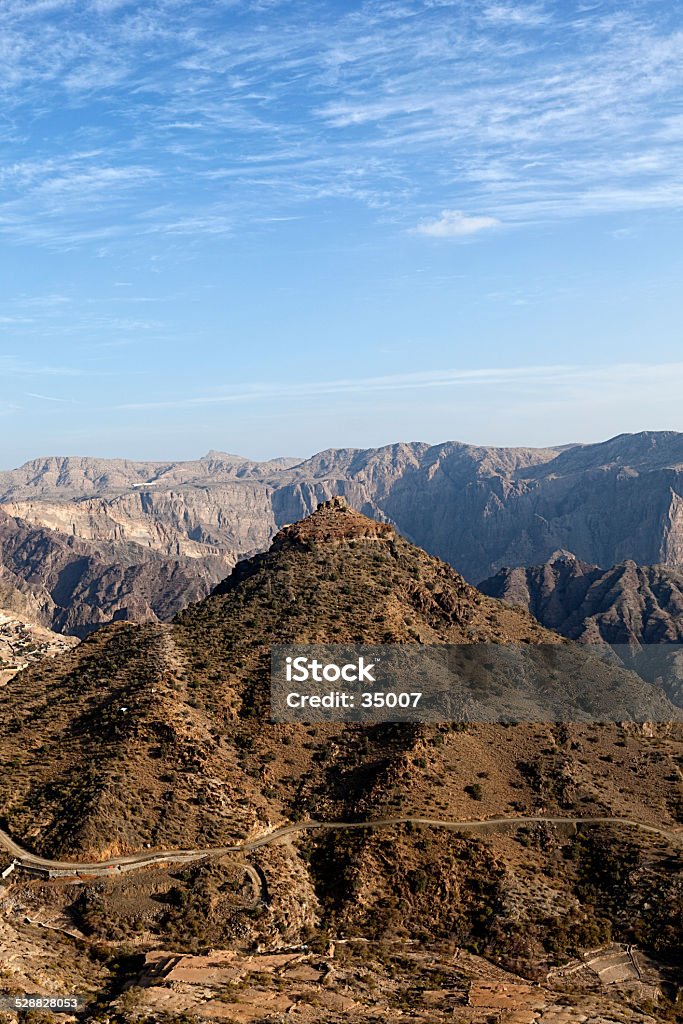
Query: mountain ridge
[626, 604]
[73, 587]
[477, 508]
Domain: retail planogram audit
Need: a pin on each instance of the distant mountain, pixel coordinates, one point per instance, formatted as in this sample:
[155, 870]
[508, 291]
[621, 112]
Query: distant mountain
[73, 587]
[158, 736]
[478, 508]
[626, 604]
[79, 477]
[636, 609]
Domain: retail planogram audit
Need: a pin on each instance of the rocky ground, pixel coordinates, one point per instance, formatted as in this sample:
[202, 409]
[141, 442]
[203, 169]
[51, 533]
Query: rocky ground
[48, 946]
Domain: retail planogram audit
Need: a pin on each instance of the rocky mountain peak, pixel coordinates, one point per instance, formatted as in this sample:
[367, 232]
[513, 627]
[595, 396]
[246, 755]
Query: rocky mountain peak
[562, 556]
[333, 521]
[339, 576]
[630, 604]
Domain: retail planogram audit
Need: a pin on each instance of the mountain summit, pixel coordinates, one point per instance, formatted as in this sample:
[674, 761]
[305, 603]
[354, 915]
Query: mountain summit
[339, 576]
[334, 520]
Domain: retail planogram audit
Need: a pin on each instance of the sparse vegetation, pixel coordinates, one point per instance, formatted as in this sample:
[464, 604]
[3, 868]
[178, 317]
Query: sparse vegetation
[160, 736]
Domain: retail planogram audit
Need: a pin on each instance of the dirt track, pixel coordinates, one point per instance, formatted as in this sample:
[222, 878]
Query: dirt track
[133, 861]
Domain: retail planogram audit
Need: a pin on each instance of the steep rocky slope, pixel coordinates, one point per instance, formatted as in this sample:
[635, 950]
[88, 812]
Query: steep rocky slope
[158, 735]
[73, 587]
[477, 508]
[626, 604]
[206, 525]
[636, 609]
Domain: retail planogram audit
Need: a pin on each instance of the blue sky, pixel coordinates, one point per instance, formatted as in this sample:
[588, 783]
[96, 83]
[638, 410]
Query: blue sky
[274, 226]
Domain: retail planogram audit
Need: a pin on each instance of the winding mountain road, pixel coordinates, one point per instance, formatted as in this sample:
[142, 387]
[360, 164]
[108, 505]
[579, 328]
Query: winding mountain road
[23, 858]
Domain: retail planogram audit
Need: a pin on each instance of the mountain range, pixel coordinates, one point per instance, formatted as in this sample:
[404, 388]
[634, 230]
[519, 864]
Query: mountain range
[180, 527]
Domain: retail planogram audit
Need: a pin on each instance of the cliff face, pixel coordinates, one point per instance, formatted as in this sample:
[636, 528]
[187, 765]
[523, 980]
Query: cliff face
[219, 522]
[477, 508]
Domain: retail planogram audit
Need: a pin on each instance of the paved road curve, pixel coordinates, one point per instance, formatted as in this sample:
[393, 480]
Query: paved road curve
[147, 858]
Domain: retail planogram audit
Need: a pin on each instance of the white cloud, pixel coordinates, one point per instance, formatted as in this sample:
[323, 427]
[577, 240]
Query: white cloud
[455, 224]
[107, 6]
[48, 398]
[13, 367]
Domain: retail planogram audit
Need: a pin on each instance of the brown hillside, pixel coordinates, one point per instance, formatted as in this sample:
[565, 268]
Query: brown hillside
[159, 736]
[340, 576]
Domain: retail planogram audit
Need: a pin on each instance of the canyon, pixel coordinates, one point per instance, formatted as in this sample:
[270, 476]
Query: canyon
[478, 508]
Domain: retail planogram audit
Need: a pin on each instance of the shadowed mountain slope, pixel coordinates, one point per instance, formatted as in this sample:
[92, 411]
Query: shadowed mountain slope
[626, 604]
[72, 587]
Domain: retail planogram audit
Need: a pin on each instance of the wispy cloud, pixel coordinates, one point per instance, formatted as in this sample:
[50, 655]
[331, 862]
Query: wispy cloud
[67, 202]
[11, 366]
[455, 224]
[528, 15]
[49, 398]
[224, 113]
[510, 379]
